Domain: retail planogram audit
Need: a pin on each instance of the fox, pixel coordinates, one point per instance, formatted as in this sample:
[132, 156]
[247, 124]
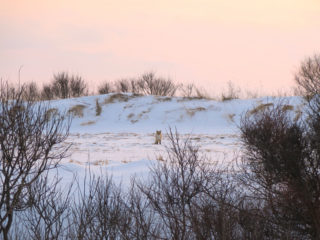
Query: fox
[158, 137]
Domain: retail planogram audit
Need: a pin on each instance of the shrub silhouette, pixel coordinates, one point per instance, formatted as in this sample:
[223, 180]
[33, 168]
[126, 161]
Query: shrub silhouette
[282, 167]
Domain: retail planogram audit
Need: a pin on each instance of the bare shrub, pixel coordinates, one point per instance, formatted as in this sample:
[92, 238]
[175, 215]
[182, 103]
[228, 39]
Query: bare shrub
[189, 198]
[65, 86]
[281, 168]
[232, 93]
[47, 93]
[28, 150]
[135, 89]
[31, 91]
[249, 94]
[105, 88]
[99, 212]
[123, 85]
[149, 84]
[308, 77]
[47, 218]
[60, 85]
[188, 90]
[201, 94]
[78, 87]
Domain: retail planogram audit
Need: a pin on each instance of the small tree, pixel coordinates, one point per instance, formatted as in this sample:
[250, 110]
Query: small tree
[28, 149]
[281, 167]
[150, 84]
[308, 76]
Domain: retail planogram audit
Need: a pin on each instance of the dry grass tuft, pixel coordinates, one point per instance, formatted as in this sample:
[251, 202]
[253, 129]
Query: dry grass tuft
[77, 110]
[120, 97]
[100, 162]
[98, 108]
[192, 111]
[298, 115]
[164, 99]
[135, 118]
[160, 158]
[287, 107]
[50, 113]
[131, 115]
[230, 117]
[87, 123]
[260, 108]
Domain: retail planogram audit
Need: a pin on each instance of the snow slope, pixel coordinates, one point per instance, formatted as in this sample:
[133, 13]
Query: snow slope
[120, 141]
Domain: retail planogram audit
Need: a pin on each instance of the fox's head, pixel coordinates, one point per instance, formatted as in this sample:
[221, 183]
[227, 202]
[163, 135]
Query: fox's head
[158, 132]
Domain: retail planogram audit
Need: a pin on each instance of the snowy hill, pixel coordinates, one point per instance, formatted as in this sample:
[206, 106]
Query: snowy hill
[120, 140]
[145, 114]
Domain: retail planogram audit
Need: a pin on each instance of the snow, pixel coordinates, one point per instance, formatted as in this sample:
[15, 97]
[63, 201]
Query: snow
[120, 141]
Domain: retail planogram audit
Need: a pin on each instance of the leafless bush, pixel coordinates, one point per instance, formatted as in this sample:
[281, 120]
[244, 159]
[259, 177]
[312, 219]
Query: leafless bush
[105, 88]
[308, 77]
[65, 86]
[202, 94]
[60, 85]
[27, 150]
[191, 91]
[232, 93]
[47, 93]
[123, 85]
[50, 208]
[281, 168]
[144, 225]
[134, 86]
[188, 90]
[99, 212]
[31, 91]
[189, 198]
[149, 84]
[78, 87]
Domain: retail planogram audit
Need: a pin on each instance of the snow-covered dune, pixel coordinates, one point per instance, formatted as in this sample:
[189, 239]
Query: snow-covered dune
[120, 140]
[145, 114]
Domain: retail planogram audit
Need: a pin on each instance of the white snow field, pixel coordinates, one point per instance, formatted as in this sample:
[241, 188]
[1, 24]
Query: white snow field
[120, 141]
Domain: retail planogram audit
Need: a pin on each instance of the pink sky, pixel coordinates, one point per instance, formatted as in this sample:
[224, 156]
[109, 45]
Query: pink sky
[257, 44]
